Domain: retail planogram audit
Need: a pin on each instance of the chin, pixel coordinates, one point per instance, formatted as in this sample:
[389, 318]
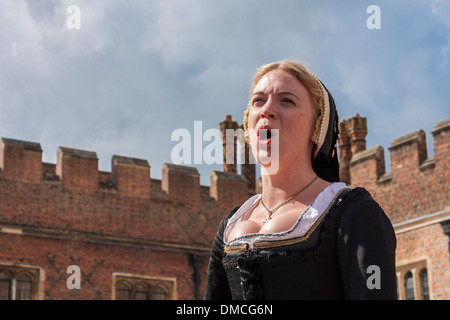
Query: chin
[263, 158]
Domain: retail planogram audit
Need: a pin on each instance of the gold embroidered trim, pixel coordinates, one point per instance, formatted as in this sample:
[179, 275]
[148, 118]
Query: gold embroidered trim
[280, 243]
[241, 247]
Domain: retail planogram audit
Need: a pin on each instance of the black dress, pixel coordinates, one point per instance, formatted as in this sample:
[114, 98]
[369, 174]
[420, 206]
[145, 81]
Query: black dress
[349, 253]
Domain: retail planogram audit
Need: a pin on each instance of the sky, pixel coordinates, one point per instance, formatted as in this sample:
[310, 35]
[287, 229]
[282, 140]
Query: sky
[120, 77]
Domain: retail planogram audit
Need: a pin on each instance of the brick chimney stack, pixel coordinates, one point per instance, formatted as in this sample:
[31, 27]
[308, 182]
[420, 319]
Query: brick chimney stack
[352, 139]
[345, 152]
[248, 169]
[229, 144]
[357, 129]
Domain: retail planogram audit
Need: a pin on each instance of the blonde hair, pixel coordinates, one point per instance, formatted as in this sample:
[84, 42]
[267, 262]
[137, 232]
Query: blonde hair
[306, 78]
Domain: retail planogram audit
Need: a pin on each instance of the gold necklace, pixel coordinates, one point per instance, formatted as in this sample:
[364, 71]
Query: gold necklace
[271, 212]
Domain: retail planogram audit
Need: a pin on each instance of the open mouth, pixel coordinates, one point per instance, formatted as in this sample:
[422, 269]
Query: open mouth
[265, 134]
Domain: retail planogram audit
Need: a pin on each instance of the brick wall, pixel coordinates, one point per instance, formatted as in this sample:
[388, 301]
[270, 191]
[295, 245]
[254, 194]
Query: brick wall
[123, 221]
[415, 194]
[427, 244]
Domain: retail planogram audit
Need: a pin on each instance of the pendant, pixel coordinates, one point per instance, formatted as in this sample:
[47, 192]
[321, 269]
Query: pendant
[267, 219]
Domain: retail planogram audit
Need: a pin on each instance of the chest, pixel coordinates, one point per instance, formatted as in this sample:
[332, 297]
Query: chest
[256, 221]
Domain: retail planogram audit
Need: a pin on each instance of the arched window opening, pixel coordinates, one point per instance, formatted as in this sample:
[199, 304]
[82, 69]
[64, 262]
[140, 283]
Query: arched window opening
[409, 286]
[5, 285]
[423, 278]
[141, 292]
[159, 293]
[23, 287]
[123, 290]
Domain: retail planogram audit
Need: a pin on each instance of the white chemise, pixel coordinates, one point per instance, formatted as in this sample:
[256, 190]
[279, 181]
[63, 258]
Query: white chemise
[303, 224]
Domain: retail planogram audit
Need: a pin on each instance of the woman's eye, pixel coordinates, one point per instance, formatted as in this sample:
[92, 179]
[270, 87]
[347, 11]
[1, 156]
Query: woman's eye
[257, 101]
[287, 100]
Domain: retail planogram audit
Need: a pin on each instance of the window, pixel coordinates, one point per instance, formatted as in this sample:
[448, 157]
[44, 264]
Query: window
[18, 283]
[159, 293]
[5, 285]
[412, 281]
[123, 290]
[142, 291]
[134, 287]
[409, 286]
[423, 279]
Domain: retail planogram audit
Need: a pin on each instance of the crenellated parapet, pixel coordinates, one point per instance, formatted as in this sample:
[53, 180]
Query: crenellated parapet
[21, 161]
[367, 165]
[416, 183]
[228, 187]
[131, 176]
[77, 168]
[441, 140]
[408, 153]
[181, 182]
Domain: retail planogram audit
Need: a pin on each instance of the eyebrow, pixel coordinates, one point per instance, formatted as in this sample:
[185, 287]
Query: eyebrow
[289, 93]
[280, 94]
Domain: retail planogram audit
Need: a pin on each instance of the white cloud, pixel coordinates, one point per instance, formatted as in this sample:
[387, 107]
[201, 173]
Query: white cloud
[441, 9]
[137, 70]
[21, 39]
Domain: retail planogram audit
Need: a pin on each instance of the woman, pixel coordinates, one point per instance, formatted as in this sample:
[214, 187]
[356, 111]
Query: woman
[307, 236]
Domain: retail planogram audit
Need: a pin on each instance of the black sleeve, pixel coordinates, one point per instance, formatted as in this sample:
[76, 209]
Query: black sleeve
[366, 246]
[217, 287]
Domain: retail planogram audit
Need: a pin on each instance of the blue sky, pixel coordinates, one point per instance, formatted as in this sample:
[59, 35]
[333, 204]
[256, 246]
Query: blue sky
[138, 70]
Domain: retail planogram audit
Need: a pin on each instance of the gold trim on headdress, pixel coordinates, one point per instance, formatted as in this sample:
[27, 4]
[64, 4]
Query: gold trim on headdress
[324, 118]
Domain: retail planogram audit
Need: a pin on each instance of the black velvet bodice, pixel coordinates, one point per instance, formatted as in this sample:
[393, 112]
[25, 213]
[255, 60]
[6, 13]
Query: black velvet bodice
[331, 262]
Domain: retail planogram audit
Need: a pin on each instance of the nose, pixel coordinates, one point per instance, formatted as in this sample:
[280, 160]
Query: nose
[269, 110]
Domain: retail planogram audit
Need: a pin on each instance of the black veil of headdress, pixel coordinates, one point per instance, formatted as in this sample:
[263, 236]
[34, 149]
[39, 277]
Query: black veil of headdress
[326, 164]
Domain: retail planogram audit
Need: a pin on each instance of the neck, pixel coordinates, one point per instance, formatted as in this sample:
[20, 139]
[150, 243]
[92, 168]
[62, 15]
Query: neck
[283, 184]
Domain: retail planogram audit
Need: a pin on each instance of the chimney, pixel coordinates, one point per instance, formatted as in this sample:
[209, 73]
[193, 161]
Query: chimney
[352, 139]
[229, 143]
[345, 152]
[357, 130]
[248, 167]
